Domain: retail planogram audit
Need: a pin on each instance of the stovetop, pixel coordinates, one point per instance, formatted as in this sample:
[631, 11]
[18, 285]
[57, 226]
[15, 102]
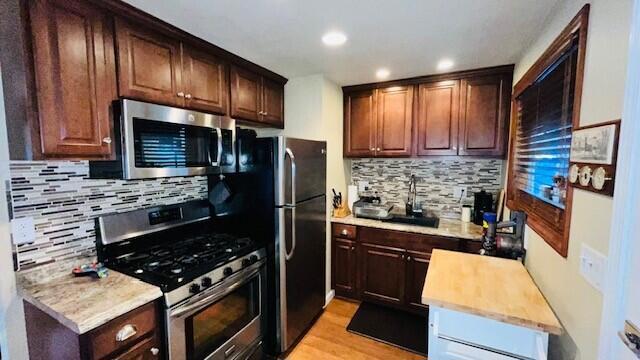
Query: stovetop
[172, 264]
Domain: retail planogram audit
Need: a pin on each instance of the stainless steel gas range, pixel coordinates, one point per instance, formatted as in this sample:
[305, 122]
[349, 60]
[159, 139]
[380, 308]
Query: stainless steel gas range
[213, 282]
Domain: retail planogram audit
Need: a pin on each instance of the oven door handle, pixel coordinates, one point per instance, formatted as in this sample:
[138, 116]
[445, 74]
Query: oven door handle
[217, 292]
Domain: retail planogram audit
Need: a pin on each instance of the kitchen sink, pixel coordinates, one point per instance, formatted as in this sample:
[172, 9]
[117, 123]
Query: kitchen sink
[414, 220]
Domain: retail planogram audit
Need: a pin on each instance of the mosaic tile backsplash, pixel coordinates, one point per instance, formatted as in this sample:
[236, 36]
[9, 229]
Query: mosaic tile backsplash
[64, 202]
[435, 180]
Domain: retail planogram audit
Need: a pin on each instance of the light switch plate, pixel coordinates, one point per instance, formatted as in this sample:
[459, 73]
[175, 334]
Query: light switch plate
[23, 230]
[362, 186]
[593, 266]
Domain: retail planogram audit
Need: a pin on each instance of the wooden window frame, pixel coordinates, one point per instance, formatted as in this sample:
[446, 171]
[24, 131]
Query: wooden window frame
[551, 223]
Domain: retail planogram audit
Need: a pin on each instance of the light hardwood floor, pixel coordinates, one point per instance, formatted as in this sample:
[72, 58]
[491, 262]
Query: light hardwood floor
[329, 339]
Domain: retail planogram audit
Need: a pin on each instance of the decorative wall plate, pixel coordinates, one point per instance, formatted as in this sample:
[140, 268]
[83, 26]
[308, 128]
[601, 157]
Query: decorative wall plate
[585, 175]
[599, 178]
[573, 173]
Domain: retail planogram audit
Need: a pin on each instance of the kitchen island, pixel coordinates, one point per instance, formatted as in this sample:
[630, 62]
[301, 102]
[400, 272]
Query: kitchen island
[485, 308]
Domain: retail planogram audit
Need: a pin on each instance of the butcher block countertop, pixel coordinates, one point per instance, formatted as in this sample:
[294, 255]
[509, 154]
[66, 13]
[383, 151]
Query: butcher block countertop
[490, 287]
[82, 303]
[447, 227]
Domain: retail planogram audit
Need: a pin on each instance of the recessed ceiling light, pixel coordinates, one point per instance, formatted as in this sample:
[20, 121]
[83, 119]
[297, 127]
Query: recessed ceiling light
[382, 73]
[445, 64]
[334, 38]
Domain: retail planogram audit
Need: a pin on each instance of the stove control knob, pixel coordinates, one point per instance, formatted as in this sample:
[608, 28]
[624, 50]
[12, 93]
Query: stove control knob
[245, 262]
[206, 282]
[227, 271]
[194, 288]
[253, 259]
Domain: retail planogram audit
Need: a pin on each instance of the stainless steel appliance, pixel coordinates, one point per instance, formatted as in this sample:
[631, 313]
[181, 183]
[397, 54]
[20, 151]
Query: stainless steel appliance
[214, 283]
[300, 239]
[160, 141]
[372, 208]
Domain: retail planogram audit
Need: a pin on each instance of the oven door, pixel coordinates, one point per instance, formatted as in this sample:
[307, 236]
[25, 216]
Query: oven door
[222, 323]
[162, 141]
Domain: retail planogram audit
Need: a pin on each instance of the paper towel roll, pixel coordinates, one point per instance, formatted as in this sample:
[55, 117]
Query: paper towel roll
[352, 195]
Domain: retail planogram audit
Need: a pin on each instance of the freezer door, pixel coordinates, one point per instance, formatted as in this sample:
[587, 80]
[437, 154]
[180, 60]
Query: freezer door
[301, 252]
[301, 168]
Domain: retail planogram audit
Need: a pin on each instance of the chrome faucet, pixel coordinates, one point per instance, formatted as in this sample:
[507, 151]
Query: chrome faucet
[411, 197]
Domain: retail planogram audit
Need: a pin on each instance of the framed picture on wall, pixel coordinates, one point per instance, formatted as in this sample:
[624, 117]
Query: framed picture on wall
[594, 145]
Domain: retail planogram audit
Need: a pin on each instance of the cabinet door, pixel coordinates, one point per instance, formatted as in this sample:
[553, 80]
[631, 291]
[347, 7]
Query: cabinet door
[437, 121]
[245, 94]
[75, 77]
[417, 266]
[484, 115]
[149, 65]
[383, 273]
[272, 103]
[395, 119]
[205, 79]
[344, 267]
[360, 124]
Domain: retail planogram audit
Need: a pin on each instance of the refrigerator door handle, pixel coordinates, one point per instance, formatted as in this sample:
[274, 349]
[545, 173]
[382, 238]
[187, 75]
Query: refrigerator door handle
[293, 176]
[289, 255]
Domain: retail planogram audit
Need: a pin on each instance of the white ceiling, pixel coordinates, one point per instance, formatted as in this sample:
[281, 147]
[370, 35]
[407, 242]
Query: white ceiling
[407, 37]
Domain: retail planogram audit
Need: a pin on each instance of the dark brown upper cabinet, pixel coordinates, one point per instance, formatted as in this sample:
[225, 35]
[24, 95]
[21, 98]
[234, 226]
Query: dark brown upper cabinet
[379, 122]
[74, 67]
[437, 119]
[462, 113]
[205, 81]
[360, 124]
[395, 118]
[149, 65]
[485, 108]
[255, 98]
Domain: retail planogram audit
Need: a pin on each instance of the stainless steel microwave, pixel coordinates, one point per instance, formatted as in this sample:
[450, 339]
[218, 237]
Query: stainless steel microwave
[154, 141]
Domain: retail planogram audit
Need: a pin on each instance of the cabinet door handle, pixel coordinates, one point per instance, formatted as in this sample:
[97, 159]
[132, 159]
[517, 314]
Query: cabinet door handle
[180, 94]
[353, 248]
[106, 140]
[408, 258]
[126, 333]
[378, 149]
[188, 96]
[403, 257]
[373, 149]
[155, 351]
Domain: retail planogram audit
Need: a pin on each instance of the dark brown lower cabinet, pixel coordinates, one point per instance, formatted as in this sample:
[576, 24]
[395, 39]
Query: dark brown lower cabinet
[49, 339]
[345, 267]
[386, 267]
[382, 270]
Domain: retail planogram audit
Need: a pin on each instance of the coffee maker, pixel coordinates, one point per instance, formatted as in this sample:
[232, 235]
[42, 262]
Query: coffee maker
[482, 202]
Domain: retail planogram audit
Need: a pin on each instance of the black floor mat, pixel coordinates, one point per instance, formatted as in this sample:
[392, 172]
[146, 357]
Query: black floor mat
[395, 327]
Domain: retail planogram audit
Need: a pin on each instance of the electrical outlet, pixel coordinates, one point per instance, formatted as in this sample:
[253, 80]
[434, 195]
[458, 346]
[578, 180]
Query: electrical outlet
[23, 230]
[593, 265]
[362, 186]
[459, 192]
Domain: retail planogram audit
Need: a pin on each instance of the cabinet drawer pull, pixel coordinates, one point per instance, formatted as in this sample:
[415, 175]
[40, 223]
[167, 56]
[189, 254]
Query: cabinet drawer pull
[155, 351]
[353, 248]
[180, 94]
[378, 149]
[409, 258]
[188, 96]
[373, 149]
[344, 232]
[107, 140]
[127, 332]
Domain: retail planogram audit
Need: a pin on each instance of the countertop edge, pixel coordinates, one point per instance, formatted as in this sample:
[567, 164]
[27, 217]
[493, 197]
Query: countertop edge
[414, 229]
[82, 328]
[508, 319]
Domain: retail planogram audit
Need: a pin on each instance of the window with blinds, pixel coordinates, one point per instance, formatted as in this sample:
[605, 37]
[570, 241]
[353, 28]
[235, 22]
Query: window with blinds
[543, 134]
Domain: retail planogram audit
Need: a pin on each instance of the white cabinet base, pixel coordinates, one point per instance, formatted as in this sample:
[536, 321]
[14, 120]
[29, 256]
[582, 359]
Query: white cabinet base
[455, 335]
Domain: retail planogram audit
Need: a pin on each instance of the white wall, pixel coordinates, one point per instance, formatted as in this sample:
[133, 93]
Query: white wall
[12, 328]
[313, 110]
[577, 304]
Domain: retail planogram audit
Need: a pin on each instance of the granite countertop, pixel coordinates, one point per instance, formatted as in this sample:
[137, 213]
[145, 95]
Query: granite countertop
[495, 288]
[447, 227]
[82, 303]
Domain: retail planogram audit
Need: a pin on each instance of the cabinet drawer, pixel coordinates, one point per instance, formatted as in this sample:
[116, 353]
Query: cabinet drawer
[344, 231]
[488, 334]
[147, 349]
[123, 332]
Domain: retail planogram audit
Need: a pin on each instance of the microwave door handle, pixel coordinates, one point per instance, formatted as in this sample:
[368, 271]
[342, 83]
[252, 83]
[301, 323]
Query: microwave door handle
[219, 157]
